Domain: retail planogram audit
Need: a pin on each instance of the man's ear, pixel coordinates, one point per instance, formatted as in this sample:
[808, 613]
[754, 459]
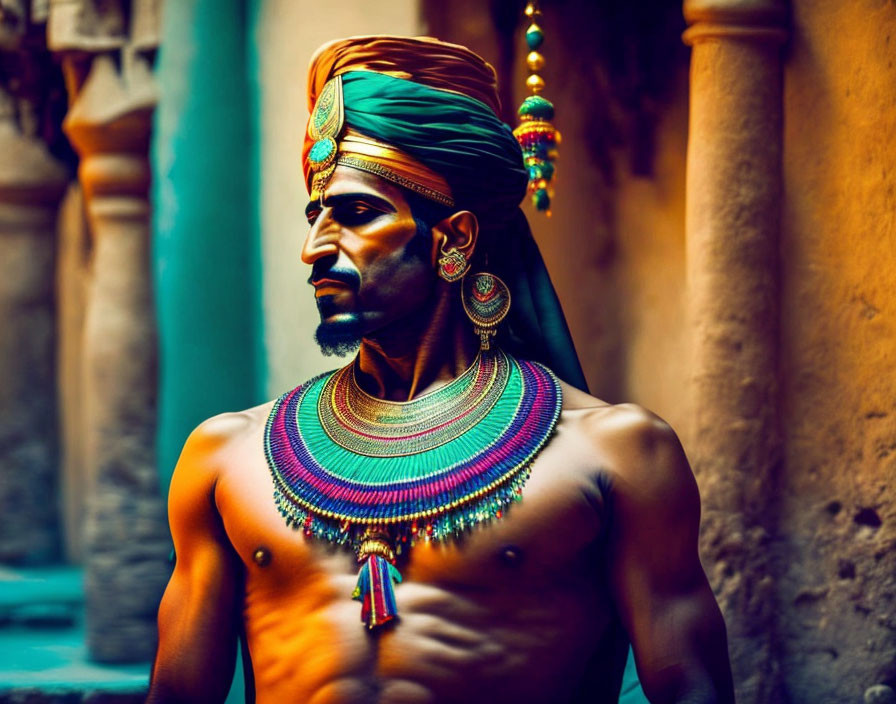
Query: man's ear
[459, 230]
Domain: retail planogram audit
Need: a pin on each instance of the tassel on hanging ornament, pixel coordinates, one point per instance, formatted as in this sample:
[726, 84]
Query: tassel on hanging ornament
[536, 134]
[374, 589]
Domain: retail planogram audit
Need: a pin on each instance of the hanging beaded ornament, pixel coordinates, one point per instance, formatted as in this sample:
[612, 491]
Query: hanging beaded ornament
[536, 134]
[378, 475]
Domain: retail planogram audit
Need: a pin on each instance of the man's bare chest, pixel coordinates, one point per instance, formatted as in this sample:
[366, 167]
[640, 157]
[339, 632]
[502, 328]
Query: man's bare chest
[554, 531]
[518, 595]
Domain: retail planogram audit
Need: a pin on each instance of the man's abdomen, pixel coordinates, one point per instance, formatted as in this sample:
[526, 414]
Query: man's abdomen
[521, 643]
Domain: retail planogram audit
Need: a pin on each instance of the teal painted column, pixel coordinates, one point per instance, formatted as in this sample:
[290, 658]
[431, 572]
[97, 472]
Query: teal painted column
[206, 244]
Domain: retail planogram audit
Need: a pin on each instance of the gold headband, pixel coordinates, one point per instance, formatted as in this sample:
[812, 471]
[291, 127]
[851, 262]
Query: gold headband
[361, 152]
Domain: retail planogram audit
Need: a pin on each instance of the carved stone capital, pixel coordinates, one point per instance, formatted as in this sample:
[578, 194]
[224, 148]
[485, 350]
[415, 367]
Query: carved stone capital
[753, 20]
[109, 124]
[112, 112]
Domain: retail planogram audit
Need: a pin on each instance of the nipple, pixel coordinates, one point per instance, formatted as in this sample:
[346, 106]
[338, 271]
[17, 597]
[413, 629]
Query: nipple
[511, 555]
[262, 557]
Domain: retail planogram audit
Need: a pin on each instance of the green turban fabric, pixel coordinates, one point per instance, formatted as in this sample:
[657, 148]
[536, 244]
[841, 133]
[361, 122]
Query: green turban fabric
[459, 137]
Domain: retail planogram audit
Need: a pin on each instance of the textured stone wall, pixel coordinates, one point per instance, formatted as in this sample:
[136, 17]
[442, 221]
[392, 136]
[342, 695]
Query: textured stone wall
[836, 550]
[650, 271]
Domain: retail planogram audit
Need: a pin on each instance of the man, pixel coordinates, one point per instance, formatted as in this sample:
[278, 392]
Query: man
[513, 533]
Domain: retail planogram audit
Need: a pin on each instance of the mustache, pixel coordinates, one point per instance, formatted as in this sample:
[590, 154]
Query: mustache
[321, 270]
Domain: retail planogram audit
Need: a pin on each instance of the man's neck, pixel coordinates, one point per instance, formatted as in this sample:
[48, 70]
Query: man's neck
[419, 352]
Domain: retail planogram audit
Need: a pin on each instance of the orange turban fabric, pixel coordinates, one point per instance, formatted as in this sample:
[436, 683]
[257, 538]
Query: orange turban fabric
[446, 66]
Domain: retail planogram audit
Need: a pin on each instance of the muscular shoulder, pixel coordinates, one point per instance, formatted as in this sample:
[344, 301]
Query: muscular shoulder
[215, 448]
[637, 452]
[212, 450]
[213, 440]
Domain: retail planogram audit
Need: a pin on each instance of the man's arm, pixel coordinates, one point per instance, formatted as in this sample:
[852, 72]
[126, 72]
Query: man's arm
[663, 596]
[198, 617]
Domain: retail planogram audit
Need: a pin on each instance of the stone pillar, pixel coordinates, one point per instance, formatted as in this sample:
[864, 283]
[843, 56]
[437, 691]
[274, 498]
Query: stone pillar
[72, 277]
[31, 184]
[126, 541]
[732, 212]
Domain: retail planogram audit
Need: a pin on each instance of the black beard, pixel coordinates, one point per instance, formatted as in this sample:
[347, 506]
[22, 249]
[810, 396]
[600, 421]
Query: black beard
[340, 338]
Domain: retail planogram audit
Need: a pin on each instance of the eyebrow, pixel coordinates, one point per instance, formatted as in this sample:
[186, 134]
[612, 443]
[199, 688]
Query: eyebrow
[333, 201]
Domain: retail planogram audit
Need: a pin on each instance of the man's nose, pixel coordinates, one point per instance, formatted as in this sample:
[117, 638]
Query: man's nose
[322, 239]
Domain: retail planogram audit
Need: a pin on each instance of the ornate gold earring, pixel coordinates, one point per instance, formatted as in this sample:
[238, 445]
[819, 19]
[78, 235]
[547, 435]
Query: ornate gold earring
[452, 264]
[486, 302]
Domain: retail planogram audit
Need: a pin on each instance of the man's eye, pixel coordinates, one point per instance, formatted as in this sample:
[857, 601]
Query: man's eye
[355, 213]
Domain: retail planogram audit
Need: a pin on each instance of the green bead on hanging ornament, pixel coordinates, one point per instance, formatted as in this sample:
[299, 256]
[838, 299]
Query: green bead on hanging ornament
[536, 107]
[534, 36]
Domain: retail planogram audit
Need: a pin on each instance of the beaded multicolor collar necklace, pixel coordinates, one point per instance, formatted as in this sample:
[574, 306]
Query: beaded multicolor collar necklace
[380, 475]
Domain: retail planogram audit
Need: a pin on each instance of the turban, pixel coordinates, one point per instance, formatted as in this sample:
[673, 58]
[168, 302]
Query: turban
[437, 102]
[423, 113]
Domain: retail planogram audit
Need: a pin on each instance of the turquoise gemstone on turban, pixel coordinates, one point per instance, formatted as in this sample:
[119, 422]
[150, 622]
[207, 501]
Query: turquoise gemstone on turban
[322, 150]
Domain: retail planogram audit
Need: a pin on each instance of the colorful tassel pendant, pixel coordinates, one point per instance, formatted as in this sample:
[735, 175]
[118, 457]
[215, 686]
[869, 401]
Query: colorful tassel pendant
[374, 589]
